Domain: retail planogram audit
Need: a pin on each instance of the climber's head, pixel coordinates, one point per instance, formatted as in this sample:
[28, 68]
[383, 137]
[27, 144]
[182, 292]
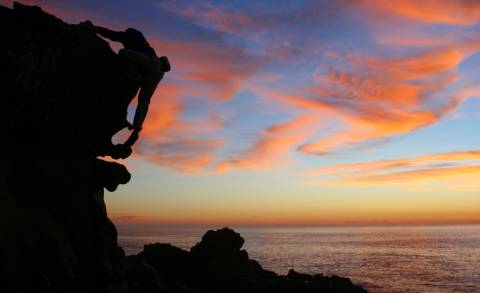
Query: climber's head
[165, 63]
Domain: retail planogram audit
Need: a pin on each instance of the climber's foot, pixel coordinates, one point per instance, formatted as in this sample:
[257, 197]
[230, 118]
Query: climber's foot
[111, 174]
[120, 151]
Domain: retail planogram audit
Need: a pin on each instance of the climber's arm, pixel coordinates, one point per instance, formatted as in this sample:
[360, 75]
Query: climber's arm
[132, 138]
[146, 92]
[141, 111]
[109, 34]
[140, 115]
[144, 97]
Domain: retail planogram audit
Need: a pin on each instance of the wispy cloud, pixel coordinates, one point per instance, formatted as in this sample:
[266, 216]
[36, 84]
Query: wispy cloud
[427, 168]
[383, 97]
[182, 153]
[272, 146]
[426, 11]
[215, 71]
[170, 140]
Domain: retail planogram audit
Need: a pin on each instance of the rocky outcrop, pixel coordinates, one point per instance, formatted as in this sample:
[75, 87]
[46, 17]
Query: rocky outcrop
[65, 93]
[218, 264]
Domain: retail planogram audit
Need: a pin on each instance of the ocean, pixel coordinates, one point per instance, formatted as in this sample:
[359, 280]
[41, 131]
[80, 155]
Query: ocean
[398, 259]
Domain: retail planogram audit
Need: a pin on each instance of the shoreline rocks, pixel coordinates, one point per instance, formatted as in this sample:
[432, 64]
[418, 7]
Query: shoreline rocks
[218, 264]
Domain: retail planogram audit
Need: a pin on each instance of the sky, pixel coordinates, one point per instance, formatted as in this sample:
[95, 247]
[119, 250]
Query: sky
[302, 112]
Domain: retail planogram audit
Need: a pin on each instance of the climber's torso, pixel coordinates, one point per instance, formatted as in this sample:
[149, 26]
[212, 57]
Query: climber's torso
[134, 40]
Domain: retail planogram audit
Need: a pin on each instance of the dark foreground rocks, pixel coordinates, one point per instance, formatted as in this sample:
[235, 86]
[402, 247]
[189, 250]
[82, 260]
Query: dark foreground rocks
[218, 264]
[64, 94]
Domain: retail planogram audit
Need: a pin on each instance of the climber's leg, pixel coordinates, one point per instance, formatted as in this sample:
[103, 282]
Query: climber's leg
[148, 88]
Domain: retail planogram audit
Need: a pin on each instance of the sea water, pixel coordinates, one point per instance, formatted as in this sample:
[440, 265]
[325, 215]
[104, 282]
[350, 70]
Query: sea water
[397, 259]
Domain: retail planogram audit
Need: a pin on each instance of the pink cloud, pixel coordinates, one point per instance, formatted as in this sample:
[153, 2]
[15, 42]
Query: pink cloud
[208, 69]
[456, 170]
[272, 145]
[182, 153]
[214, 16]
[359, 169]
[169, 140]
[385, 97]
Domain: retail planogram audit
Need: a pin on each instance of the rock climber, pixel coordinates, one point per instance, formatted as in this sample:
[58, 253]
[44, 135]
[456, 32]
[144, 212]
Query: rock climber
[137, 51]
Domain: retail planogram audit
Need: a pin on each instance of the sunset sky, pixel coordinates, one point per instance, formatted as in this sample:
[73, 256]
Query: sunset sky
[303, 112]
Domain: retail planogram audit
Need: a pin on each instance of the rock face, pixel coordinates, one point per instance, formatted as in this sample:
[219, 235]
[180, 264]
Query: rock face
[60, 77]
[65, 93]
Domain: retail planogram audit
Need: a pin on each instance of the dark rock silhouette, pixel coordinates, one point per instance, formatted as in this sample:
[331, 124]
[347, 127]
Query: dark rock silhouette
[65, 93]
[218, 264]
[65, 87]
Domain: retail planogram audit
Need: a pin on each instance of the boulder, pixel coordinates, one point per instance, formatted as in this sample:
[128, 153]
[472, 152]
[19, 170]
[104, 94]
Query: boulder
[218, 264]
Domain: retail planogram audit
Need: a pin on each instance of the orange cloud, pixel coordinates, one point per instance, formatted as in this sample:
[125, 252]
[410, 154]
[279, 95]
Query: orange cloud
[209, 73]
[416, 169]
[416, 175]
[272, 145]
[182, 153]
[163, 111]
[169, 140]
[427, 11]
[386, 165]
[208, 69]
[387, 97]
[412, 23]
[377, 98]
[383, 97]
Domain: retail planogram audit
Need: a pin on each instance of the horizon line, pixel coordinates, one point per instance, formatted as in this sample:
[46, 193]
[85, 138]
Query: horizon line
[285, 225]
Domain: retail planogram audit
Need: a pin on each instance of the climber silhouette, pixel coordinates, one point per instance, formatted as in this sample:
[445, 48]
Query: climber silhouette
[138, 52]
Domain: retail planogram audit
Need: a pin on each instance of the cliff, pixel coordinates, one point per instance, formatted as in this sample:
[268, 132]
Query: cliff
[65, 93]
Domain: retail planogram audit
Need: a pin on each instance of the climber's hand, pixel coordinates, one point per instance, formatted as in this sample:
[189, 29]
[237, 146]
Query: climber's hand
[133, 138]
[128, 125]
[120, 151]
[86, 23]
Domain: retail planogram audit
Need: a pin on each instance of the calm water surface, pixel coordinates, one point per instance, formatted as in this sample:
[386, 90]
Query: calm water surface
[430, 259]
